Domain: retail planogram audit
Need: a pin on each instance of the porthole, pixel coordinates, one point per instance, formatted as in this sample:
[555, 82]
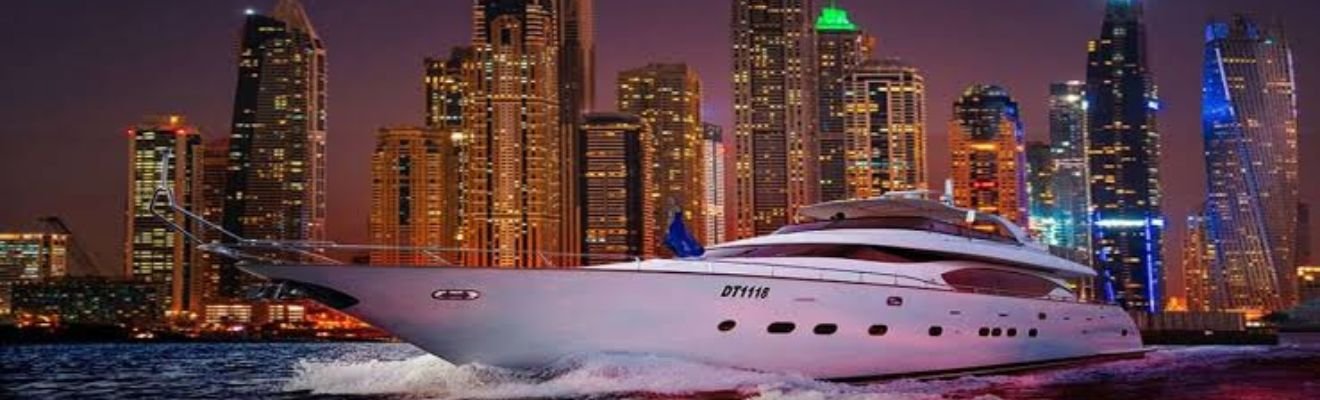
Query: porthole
[894, 301]
[1012, 332]
[825, 329]
[878, 330]
[996, 332]
[780, 328]
[984, 331]
[1040, 316]
[1125, 332]
[1031, 332]
[936, 330]
[726, 325]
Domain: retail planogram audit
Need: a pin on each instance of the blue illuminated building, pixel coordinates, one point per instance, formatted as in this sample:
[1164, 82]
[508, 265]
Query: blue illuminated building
[1249, 121]
[1123, 159]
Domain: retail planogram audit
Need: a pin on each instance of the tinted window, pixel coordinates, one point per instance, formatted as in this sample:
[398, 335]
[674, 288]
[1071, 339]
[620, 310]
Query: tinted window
[1031, 332]
[726, 325]
[825, 329]
[878, 330]
[984, 331]
[996, 332]
[852, 252]
[936, 331]
[985, 280]
[998, 234]
[781, 327]
[1012, 332]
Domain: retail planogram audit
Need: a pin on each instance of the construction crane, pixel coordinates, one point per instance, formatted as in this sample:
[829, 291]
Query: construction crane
[80, 255]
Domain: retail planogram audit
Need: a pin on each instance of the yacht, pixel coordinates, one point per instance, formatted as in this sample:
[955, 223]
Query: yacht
[892, 286]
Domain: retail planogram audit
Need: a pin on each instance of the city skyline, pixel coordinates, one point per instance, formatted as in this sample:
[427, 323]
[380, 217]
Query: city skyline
[713, 79]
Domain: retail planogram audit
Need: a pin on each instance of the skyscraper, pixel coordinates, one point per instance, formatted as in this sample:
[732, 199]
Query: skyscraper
[774, 139]
[154, 252]
[515, 202]
[1249, 112]
[215, 171]
[885, 129]
[1304, 234]
[617, 211]
[714, 153]
[276, 184]
[989, 166]
[577, 94]
[668, 98]
[1072, 206]
[840, 48]
[1040, 194]
[30, 257]
[1123, 155]
[411, 171]
[1198, 254]
[448, 93]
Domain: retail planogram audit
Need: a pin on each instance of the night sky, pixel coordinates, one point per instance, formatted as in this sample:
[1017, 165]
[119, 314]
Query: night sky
[76, 73]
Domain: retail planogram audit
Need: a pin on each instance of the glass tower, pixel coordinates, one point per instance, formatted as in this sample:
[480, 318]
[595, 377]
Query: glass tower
[1070, 217]
[1249, 113]
[989, 165]
[1123, 155]
[840, 48]
[885, 129]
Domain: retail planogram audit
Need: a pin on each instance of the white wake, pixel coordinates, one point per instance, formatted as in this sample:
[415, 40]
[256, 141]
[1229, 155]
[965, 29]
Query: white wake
[629, 374]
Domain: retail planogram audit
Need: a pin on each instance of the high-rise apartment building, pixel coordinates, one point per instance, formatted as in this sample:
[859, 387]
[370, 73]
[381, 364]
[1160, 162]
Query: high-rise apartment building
[1123, 156]
[1040, 193]
[576, 46]
[668, 98]
[1198, 254]
[1249, 113]
[841, 47]
[617, 210]
[276, 186]
[154, 252]
[515, 202]
[775, 168]
[989, 165]
[884, 129]
[412, 173]
[715, 154]
[1070, 218]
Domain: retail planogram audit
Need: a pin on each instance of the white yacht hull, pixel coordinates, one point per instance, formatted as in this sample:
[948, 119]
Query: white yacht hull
[526, 318]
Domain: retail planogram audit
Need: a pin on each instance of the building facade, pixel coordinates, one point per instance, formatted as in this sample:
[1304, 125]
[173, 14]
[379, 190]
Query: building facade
[668, 98]
[884, 129]
[1198, 255]
[775, 149]
[515, 202]
[577, 95]
[1040, 194]
[1070, 219]
[841, 47]
[276, 184]
[30, 257]
[1249, 113]
[154, 252]
[1123, 156]
[987, 141]
[617, 209]
[715, 154]
[1308, 283]
[93, 301]
[412, 175]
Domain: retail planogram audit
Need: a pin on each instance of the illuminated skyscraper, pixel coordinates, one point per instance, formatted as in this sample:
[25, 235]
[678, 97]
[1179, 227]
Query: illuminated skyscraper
[1304, 234]
[1123, 155]
[576, 78]
[885, 129]
[1072, 206]
[411, 171]
[215, 171]
[1249, 111]
[276, 183]
[668, 98]
[714, 153]
[989, 165]
[445, 89]
[1308, 283]
[1040, 194]
[154, 252]
[841, 47]
[30, 257]
[617, 210]
[776, 168]
[1198, 254]
[515, 203]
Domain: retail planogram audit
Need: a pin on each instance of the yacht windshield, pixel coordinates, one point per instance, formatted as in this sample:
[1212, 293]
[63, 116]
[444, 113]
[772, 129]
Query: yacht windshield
[898, 222]
[848, 251]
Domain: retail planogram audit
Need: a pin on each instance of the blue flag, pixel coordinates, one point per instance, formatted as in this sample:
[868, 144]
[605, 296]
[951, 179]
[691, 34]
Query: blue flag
[680, 241]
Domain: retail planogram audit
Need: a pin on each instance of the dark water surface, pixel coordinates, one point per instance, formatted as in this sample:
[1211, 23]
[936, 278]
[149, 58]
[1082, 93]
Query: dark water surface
[400, 371]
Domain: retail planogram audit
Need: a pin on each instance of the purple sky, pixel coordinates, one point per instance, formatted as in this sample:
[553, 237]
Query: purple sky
[76, 73]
